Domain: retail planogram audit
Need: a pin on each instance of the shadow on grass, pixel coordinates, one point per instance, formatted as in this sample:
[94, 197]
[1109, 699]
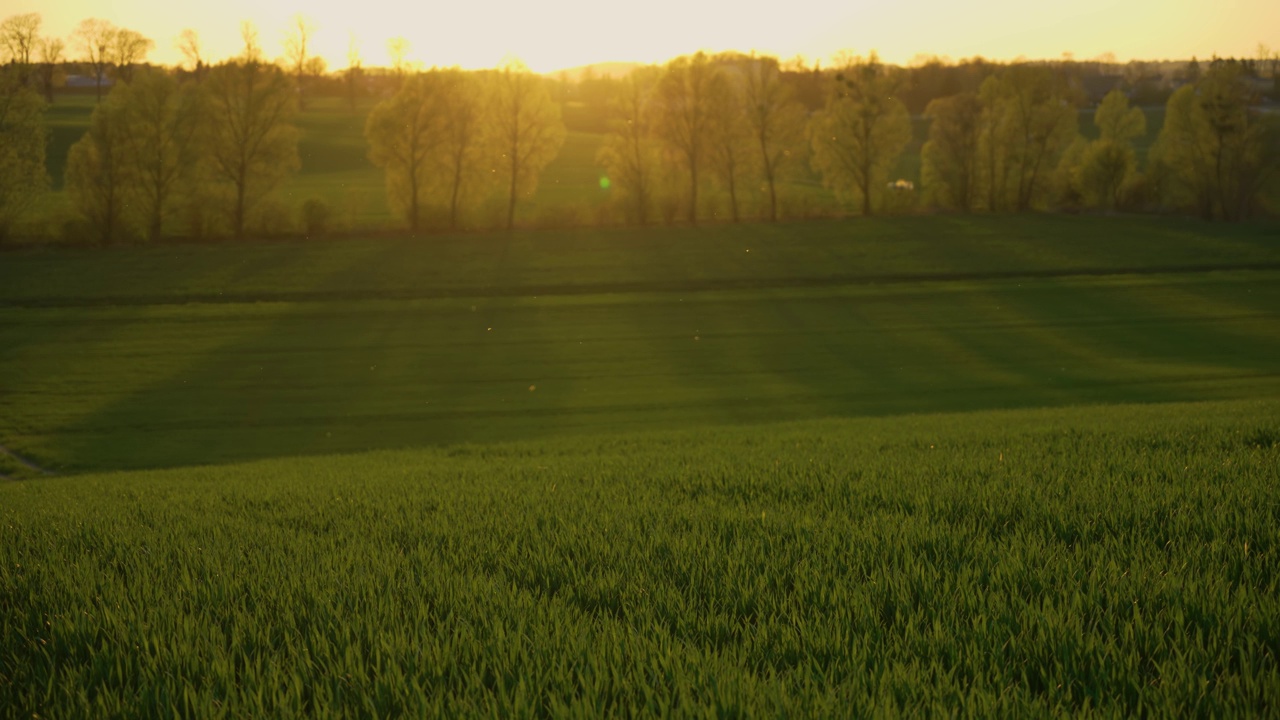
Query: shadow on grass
[300, 378]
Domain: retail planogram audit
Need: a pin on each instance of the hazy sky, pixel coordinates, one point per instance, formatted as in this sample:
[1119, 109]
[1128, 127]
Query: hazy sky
[554, 34]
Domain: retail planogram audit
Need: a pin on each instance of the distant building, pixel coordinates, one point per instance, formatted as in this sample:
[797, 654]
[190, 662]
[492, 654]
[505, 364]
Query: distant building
[87, 81]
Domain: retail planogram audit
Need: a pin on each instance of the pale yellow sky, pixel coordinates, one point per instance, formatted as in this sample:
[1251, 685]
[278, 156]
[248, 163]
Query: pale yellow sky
[556, 34]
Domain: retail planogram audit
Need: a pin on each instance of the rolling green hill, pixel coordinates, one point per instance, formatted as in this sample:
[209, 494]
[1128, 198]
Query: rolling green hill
[995, 466]
[173, 355]
[1112, 560]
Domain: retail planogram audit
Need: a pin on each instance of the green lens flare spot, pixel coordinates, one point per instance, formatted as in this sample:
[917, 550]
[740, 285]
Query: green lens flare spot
[604, 182]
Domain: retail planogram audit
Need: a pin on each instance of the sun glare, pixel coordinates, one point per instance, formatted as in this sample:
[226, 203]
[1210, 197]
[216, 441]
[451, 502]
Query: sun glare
[559, 34]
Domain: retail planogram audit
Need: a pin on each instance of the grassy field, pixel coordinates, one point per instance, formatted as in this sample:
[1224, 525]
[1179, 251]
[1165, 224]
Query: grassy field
[995, 466]
[160, 356]
[1118, 560]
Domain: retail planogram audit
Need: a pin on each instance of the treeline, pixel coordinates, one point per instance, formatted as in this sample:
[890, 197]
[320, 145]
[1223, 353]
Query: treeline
[203, 149]
[1010, 145]
[199, 150]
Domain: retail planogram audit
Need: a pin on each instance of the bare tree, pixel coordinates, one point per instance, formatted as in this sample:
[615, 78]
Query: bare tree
[731, 150]
[404, 132]
[993, 144]
[1266, 59]
[528, 130]
[628, 153]
[950, 157]
[398, 51]
[684, 115]
[251, 140]
[465, 103]
[776, 121]
[1269, 62]
[51, 58]
[96, 39]
[19, 36]
[129, 47]
[251, 53]
[296, 52]
[861, 132]
[1041, 123]
[162, 123]
[188, 43]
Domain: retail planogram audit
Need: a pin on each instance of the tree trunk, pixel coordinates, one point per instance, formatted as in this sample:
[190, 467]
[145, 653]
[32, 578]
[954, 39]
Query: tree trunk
[768, 176]
[46, 81]
[991, 179]
[413, 200]
[239, 214]
[733, 197]
[157, 217]
[866, 185]
[108, 222]
[693, 193]
[511, 198]
[453, 200]
[773, 199]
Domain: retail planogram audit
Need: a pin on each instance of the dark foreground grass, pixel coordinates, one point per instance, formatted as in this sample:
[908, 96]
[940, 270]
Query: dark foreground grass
[1117, 560]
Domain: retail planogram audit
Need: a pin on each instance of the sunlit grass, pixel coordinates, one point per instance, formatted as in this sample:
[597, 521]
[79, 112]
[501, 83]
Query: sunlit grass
[1117, 559]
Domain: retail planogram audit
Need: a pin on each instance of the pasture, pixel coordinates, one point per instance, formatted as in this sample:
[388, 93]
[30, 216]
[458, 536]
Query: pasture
[172, 355]
[1110, 560]
[992, 466]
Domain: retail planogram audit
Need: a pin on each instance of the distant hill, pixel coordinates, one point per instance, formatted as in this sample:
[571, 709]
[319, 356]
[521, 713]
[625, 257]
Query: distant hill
[606, 69]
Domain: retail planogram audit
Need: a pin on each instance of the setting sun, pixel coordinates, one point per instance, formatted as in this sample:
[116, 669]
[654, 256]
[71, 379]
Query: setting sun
[559, 34]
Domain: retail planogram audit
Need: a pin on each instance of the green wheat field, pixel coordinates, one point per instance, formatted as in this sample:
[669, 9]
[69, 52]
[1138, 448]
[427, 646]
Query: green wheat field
[994, 466]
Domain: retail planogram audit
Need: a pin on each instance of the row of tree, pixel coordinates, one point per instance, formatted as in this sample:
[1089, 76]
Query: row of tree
[446, 137]
[1014, 145]
[111, 53]
[102, 49]
[1010, 146]
[157, 148]
[207, 148]
[34, 58]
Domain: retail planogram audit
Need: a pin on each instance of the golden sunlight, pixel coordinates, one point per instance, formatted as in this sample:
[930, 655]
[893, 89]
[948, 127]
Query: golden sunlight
[559, 34]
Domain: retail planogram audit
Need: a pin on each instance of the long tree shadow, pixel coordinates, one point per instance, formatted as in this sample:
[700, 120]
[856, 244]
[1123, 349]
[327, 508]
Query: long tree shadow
[970, 346]
[322, 377]
[211, 383]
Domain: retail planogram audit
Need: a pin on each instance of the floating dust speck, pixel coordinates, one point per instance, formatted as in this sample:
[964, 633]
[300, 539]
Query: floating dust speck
[532, 388]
